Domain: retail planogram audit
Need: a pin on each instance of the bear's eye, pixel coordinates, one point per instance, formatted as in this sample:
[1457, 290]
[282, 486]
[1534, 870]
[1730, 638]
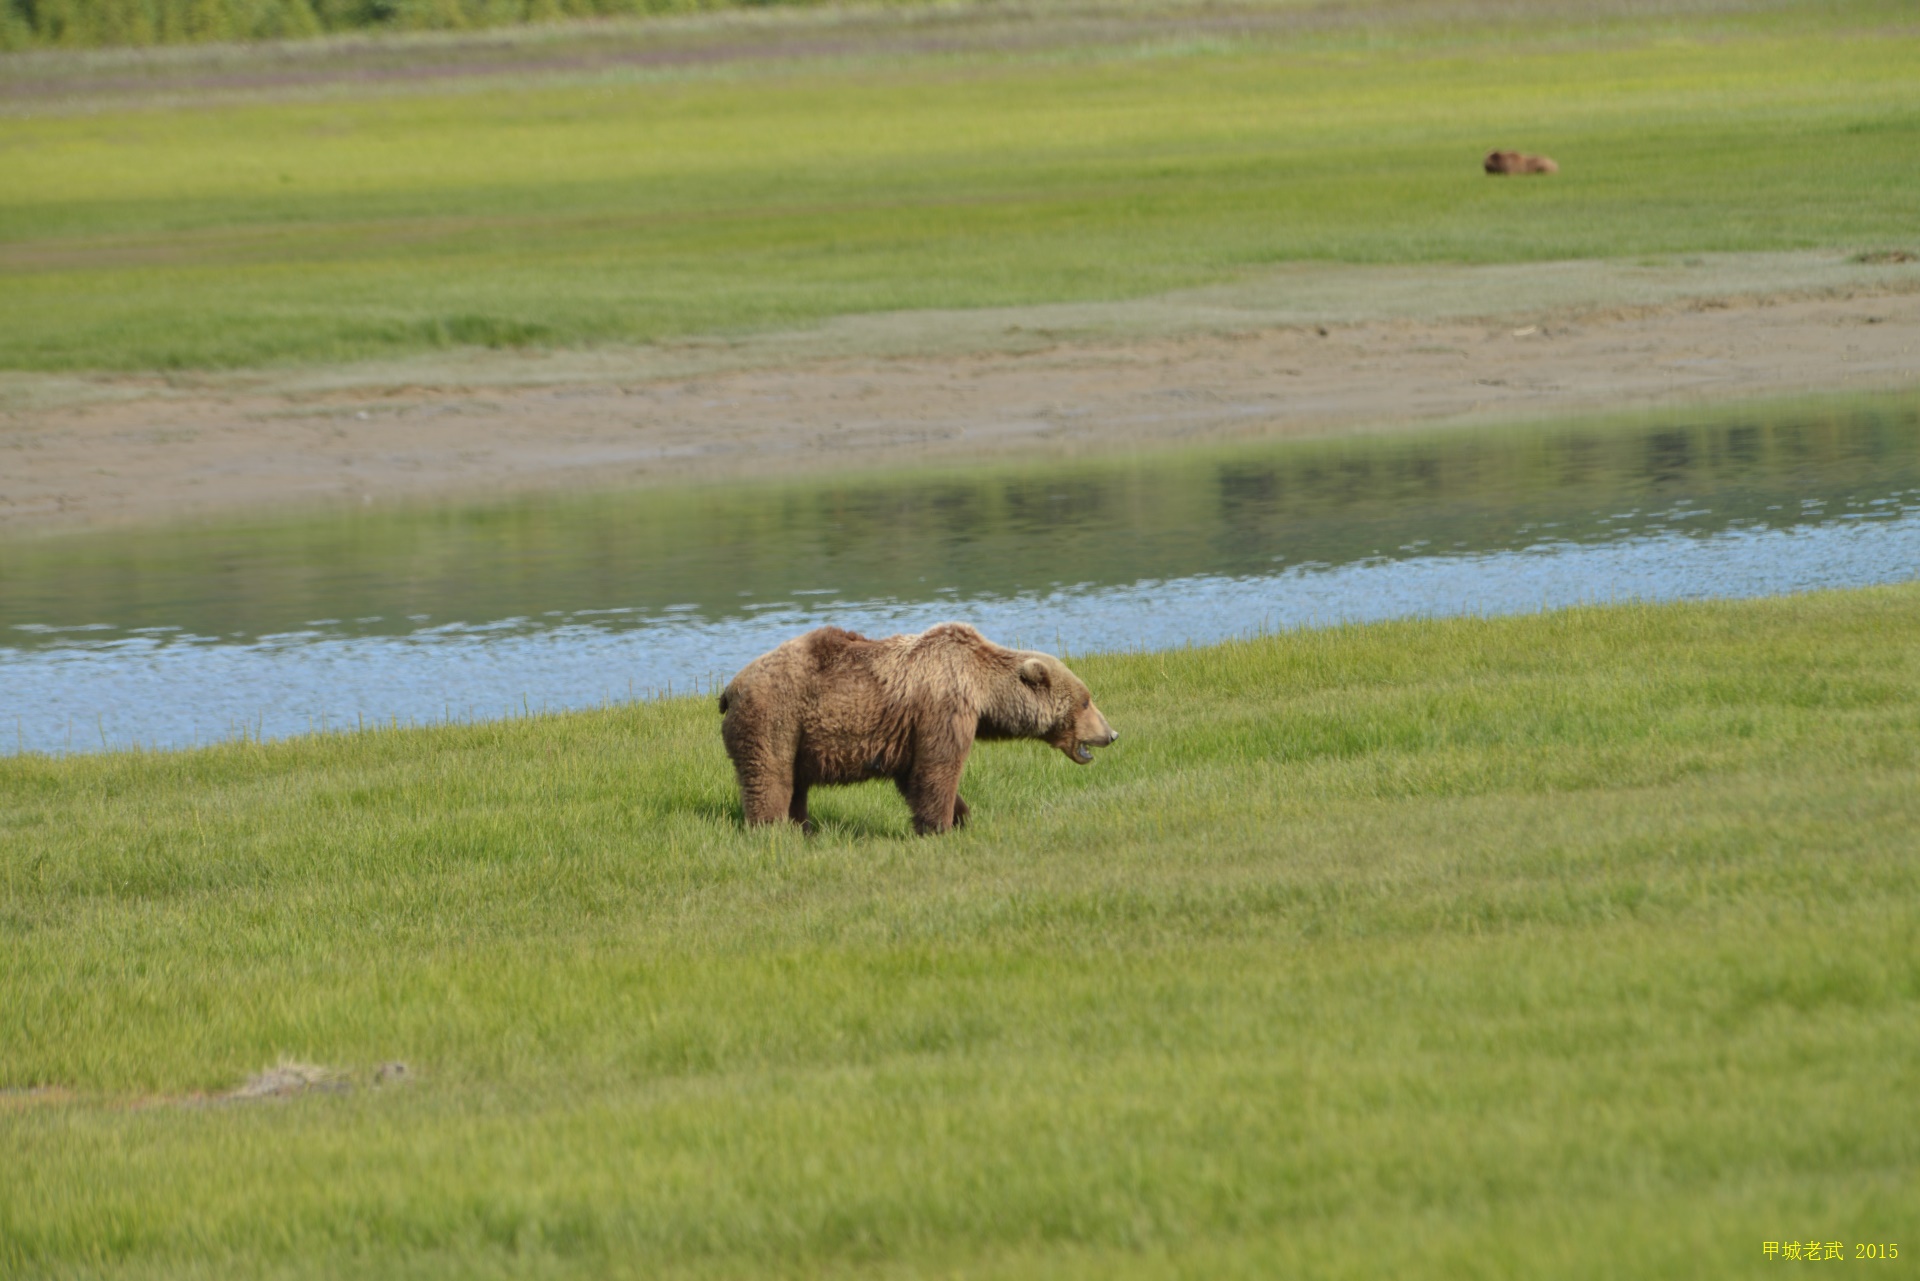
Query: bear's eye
[1086, 702]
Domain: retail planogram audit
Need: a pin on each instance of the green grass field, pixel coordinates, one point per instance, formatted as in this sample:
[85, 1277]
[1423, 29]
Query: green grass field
[1574, 945]
[220, 229]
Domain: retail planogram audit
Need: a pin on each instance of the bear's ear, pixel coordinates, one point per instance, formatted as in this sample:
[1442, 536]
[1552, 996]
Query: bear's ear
[1034, 672]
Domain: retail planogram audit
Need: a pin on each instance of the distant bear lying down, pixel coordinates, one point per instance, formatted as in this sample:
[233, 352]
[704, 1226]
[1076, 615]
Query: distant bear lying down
[834, 707]
[1501, 162]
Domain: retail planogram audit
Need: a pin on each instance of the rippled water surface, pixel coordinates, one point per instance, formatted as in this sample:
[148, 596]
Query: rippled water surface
[192, 634]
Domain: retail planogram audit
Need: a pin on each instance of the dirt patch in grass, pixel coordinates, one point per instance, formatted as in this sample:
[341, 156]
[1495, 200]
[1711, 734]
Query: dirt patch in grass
[285, 1079]
[289, 1078]
[20, 1099]
[1301, 351]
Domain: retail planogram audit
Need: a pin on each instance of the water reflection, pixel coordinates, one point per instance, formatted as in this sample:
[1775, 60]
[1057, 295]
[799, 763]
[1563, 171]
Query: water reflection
[420, 614]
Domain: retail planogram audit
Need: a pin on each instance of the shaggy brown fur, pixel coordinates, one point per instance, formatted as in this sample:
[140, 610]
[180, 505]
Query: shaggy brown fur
[834, 707]
[1500, 162]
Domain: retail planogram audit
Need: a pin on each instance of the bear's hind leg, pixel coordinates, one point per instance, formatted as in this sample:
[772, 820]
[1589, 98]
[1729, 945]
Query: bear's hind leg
[765, 803]
[764, 760]
[797, 807]
[766, 790]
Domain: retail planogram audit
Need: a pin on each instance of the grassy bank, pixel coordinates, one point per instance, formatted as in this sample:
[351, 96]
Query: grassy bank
[1580, 944]
[223, 228]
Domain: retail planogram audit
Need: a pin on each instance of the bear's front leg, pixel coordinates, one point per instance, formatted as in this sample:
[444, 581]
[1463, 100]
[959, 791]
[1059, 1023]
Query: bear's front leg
[933, 794]
[931, 782]
[959, 811]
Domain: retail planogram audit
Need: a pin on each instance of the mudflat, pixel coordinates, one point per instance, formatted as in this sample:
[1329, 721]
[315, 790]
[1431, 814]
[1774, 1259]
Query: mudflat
[1303, 351]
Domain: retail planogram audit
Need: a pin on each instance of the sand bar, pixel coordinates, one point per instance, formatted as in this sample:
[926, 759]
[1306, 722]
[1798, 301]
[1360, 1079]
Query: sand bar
[1309, 350]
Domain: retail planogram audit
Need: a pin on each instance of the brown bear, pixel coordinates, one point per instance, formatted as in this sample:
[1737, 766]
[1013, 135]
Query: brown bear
[833, 706]
[1501, 162]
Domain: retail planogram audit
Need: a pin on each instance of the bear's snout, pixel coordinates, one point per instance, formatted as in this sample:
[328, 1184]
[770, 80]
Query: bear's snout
[1090, 731]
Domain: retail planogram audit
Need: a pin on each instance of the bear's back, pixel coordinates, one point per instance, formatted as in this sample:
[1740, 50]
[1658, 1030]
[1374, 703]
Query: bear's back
[832, 674]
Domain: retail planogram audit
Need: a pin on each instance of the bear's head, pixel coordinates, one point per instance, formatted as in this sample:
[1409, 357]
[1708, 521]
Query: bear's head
[1066, 716]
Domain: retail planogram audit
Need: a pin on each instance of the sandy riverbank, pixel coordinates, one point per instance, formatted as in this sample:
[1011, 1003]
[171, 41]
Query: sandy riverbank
[1310, 350]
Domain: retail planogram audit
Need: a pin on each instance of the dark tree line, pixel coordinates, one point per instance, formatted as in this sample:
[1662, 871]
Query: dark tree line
[90, 23]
